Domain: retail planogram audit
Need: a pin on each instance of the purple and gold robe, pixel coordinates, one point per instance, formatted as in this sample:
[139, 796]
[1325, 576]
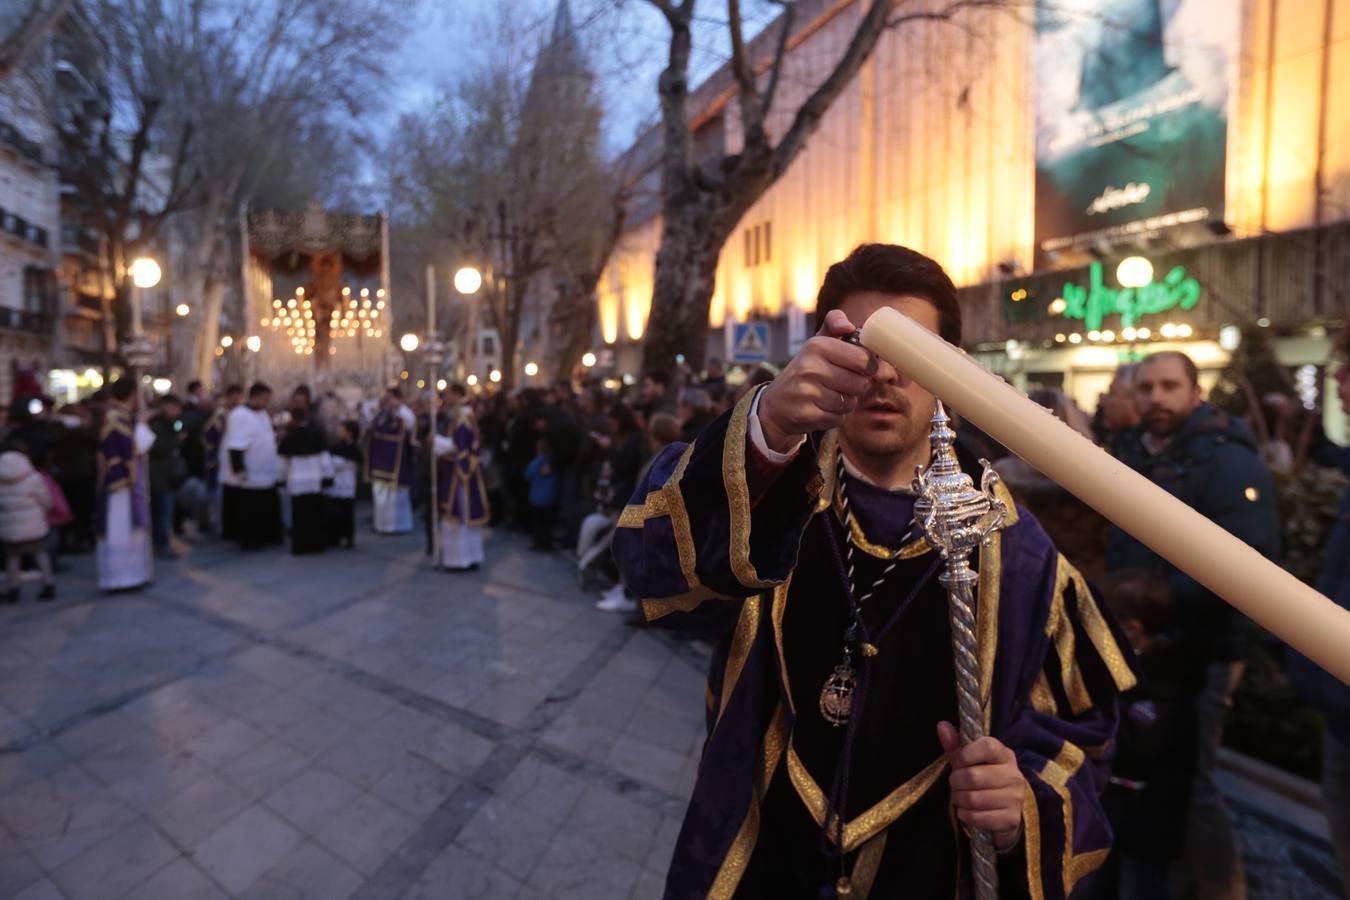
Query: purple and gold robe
[389, 452]
[460, 485]
[700, 529]
[120, 468]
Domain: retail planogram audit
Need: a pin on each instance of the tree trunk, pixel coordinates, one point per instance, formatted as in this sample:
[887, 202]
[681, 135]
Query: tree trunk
[692, 237]
[208, 334]
[577, 322]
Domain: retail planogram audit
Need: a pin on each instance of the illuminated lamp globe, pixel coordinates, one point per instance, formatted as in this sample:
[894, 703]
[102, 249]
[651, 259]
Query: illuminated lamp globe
[145, 272]
[494, 376]
[161, 385]
[472, 381]
[531, 369]
[408, 342]
[254, 343]
[440, 384]
[1134, 272]
[588, 359]
[468, 280]
[182, 309]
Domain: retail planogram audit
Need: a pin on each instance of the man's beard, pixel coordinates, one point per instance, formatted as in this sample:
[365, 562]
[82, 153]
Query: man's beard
[882, 447]
[1162, 422]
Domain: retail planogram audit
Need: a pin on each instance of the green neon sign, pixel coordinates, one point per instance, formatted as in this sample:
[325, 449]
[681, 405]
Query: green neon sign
[1095, 301]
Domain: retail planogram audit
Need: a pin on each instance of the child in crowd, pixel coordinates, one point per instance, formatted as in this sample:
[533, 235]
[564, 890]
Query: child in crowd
[346, 456]
[24, 502]
[1150, 787]
[543, 496]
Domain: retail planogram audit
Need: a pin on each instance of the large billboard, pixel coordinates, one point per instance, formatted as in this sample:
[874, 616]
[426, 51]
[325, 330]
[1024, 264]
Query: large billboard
[1132, 102]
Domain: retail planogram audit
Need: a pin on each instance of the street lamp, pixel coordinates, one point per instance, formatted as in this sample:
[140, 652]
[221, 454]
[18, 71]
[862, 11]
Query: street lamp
[1134, 272]
[588, 359]
[145, 272]
[408, 343]
[182, 309]
[531, 369]
[468, 280]
[254, 343]
[472, 380]
[494, 376]
[226, 341]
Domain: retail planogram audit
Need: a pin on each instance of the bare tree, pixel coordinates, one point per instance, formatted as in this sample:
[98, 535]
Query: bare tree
[225, 91]
[506, 171]
[28, 34]
[704, 196]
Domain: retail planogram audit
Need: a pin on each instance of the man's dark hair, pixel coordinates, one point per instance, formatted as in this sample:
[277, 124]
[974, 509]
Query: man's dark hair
[660, 376]
[1140, 594]
[396, 392]
[194, 386]
[353, 428]
[891, 269]
[166, 399]
[302, 390]
[259, 388]
[234, 389]
[123, 388]
[459, 389]
[1187, 364]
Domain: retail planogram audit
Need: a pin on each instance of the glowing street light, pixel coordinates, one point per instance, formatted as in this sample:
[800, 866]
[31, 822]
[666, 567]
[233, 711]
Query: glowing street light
[468, 280]
[472, 380]
[408, 342]
[145, 272]
[182, 309]
[588, 359]
[494, 376]
[531, 369]
[254, 343]
[227, 341]
[1134, 272]
[440, 384]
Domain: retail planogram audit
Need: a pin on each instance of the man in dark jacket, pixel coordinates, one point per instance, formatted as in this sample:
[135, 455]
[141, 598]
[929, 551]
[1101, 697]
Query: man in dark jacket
[168, 470]
[1208, 460]
[1321, 689]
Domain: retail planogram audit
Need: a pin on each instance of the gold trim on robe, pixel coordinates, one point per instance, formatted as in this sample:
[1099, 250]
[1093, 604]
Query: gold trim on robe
[738, 856]
[747, 626]
[738, 493]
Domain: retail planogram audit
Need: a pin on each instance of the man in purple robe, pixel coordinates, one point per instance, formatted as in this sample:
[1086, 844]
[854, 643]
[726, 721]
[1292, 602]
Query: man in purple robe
[389, 466]
[122, 498]
[461, 488]
[832, 767]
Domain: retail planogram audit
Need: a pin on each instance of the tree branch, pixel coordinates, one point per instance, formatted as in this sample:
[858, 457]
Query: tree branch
[779, 54]
[813, 110]
[42, 18]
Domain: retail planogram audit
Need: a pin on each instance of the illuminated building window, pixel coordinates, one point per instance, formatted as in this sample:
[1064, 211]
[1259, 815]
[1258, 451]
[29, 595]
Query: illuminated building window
[758, 245]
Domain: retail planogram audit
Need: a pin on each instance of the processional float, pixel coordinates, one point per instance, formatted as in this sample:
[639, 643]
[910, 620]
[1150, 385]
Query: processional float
[957, 517]
[317, 292]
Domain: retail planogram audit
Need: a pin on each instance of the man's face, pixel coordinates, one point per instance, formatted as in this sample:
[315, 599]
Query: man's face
[260, 401]
[652, 390]
[1165, 395]
[893, 417]
[233, 399]
[172, 410]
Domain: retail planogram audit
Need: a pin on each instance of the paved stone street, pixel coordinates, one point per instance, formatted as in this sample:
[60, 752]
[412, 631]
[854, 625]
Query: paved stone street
[356, 724]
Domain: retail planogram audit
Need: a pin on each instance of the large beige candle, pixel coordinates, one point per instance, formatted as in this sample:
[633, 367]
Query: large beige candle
[1299, 615]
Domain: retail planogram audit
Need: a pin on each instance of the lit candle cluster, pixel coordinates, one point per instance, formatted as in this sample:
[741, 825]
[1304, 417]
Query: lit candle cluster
[296, 316]
[359, 313]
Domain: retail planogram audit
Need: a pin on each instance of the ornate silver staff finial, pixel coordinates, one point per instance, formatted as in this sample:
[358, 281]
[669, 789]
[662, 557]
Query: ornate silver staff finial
[956, 517]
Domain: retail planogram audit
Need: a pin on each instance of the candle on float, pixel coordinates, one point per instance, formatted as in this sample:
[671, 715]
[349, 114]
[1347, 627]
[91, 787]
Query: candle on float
[431, 300]
[1300, 616]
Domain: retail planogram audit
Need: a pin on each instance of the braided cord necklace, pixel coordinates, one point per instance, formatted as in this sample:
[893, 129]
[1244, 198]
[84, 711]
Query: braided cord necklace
[836, 696]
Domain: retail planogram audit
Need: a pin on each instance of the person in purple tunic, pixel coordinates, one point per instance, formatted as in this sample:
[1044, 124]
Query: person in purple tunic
[122, 498]
[832, 767]
[461, 488]
[389, 466]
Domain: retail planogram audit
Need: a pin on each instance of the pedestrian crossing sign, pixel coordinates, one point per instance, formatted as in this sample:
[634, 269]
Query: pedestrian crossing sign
[751, 342]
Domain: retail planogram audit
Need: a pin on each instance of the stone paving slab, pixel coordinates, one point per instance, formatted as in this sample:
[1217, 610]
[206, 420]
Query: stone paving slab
[357, 725]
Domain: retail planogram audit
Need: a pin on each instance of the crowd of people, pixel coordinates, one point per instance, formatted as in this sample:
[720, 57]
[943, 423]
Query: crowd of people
[127, 478]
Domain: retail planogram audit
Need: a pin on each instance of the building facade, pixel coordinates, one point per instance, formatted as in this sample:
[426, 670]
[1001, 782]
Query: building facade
[1209, 137]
